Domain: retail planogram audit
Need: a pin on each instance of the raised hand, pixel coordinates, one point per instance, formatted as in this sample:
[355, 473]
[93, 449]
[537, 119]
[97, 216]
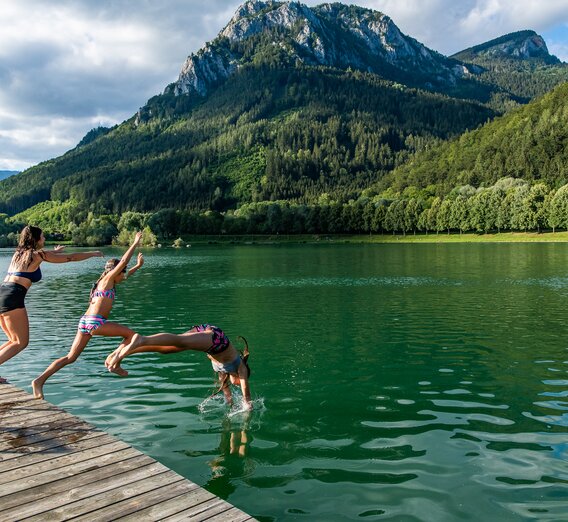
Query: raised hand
[59, 248]
[140, 260]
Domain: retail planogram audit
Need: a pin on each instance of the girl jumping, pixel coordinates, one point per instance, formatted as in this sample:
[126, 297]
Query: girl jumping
[95, 322]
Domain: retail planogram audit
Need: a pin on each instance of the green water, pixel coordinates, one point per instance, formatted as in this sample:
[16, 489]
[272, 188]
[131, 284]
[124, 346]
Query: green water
[393, 382]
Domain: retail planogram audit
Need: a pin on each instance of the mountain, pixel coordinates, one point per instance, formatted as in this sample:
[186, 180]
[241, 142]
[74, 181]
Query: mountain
[519, 63]
[522, 45]
[287, 103]
[530, 142]
[331, 35]
[7, 173]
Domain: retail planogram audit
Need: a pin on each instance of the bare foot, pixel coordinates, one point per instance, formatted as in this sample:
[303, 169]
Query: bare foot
[37, 389]
[111, 358]
[120, 353]
[118, 370]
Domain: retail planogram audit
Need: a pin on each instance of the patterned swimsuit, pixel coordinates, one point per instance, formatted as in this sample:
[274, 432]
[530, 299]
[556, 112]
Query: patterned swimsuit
[89, 323]
[219, 343]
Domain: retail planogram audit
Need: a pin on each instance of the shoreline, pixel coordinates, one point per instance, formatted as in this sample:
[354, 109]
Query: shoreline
[277, 239]
[258, 239]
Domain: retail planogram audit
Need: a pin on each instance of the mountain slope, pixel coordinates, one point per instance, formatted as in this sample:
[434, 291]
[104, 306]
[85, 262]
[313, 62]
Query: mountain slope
[266, 134]
[519, 63]
[530, 143]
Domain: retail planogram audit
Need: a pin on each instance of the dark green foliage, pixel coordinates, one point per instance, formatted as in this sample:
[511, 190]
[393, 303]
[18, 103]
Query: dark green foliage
[530, 143]
[269, 134]
[520, 79]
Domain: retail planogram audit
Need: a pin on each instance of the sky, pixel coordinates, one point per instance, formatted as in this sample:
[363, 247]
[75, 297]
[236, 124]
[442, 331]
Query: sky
[67, 66]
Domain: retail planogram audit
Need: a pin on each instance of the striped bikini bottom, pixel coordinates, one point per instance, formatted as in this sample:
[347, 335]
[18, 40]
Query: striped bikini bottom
[89, 323]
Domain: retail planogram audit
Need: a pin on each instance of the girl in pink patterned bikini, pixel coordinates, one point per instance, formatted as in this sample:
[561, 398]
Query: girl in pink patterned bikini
[95, 321]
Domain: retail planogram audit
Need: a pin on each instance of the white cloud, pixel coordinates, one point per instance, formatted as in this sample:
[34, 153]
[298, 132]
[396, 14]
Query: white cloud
[69, 65]
[450, 26]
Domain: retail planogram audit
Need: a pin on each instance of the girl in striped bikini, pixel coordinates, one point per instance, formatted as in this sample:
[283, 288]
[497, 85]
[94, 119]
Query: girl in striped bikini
[95, 322]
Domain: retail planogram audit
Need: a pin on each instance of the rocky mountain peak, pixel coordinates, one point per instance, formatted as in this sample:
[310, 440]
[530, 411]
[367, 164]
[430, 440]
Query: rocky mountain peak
[332, 34]
[521, 45]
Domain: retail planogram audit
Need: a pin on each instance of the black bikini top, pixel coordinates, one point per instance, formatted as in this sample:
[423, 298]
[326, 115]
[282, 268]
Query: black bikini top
[34, 276]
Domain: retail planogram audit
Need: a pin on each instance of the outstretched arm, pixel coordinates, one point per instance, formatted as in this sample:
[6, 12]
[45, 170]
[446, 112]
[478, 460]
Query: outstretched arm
[138, 265]
[123, 263]
[58, 256]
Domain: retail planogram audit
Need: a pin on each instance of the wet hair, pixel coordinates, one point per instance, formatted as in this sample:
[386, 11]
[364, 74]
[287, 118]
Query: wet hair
[30, 236]
[110, 265]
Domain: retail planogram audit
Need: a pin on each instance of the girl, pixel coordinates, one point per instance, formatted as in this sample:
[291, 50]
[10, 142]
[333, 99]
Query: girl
[94, 322]
[226, 361]
[25, 270]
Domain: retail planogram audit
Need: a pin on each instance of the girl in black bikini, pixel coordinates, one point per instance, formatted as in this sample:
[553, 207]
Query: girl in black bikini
[225, 359]
[23, 271]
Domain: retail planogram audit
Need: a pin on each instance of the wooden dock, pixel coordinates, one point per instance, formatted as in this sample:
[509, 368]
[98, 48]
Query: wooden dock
[54, 466]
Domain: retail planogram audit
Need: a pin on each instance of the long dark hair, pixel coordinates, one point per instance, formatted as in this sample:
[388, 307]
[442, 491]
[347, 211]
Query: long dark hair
[30, 236]
[110, 265]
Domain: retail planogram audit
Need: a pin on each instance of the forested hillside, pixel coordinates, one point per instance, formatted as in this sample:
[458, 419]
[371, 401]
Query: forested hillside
[519, 63]
[529, 143]
[268, 134]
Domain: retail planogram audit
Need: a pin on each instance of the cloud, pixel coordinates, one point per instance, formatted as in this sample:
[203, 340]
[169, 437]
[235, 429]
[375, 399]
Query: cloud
[449, 27]
[70, 65]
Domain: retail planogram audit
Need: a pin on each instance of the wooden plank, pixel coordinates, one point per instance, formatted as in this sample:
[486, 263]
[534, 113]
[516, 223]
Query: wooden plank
[162, 509]
[22, 438]
[34, 419]
[70, 470]
[8, 391]
[214, 508]
[60, 493]
[9, 410]
[58, 462]
[13, 460]
[134, 508]
[232, 515]
[199, 502]
[76, 430]
[31, 480]
[32, 460]
[104, 493]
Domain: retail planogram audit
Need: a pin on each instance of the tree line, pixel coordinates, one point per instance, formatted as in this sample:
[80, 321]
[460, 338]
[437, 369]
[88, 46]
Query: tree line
[511, 204]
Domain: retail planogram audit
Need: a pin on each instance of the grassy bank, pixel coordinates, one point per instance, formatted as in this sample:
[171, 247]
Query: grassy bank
[505, 237]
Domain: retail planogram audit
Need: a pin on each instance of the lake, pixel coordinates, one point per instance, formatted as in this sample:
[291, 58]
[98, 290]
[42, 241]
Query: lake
[392, 382]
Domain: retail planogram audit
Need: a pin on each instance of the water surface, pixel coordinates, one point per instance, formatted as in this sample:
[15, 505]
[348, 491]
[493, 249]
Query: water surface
[394, 382]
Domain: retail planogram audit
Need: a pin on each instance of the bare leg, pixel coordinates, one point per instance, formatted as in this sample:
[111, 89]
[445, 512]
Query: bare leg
[110, 329]
[199, 341]
[81, 339]
[79, 343]
[16, 326]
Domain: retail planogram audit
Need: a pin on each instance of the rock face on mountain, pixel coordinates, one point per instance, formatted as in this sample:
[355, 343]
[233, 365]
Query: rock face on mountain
[332, 35]
[522, 45]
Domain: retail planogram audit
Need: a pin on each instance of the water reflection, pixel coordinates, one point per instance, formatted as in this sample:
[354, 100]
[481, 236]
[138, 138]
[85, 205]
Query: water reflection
[232, 461]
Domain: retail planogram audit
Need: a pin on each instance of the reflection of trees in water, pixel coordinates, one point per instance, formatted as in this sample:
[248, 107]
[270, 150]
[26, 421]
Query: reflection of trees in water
[232, 461]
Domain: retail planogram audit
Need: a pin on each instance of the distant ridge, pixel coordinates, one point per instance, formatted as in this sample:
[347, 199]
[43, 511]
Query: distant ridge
[7, 173]
[520, 45]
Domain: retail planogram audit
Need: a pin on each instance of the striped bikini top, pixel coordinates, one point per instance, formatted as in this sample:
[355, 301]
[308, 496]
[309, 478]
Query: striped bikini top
[110, 294]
